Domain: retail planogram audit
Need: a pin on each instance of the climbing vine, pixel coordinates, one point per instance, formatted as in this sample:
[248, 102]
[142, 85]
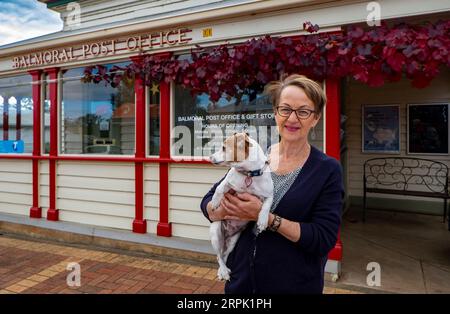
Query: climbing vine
[373, 56]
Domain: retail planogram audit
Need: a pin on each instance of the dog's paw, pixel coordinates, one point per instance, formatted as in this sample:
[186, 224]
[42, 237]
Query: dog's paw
[215, 201]
[262, 224]
[223, 273]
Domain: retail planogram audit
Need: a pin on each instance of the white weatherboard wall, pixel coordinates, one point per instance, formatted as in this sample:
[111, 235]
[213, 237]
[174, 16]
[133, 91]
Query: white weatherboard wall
[44, 187]
[15, 186]
[401, 93]
[187, 186]
[100, 194]
[151, 196]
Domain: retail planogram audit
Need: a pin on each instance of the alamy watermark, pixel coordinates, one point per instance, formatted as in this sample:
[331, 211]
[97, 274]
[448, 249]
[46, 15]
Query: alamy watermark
[73, 279]
[374, 16]
[73, 18]
[208, 138]
[373, 279]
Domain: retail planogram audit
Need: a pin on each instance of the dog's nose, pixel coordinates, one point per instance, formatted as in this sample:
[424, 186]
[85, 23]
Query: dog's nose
[213, 160]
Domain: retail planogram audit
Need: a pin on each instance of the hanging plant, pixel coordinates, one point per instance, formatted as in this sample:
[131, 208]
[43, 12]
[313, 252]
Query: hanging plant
[373, 56]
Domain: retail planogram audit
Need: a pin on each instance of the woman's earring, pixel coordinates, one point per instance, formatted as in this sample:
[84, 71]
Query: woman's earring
[313, 134]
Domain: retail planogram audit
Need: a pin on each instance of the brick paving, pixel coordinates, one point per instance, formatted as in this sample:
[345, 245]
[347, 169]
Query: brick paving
[32, 267]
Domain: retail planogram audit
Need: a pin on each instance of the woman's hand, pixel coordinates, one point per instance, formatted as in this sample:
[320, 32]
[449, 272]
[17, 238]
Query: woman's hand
[241, 206]
[216, 214]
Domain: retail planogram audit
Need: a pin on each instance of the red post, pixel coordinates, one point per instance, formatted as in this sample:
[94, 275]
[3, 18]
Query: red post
[35, 210]
[139, 223]
[164, 227]
[333, 140]
[53, 213]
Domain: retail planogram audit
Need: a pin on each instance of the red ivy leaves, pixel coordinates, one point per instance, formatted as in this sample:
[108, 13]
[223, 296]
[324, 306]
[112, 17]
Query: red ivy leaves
[310, 28]
[372, 56]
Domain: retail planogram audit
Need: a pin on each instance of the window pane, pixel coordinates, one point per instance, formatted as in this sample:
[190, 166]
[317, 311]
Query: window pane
[154, 109]
[46, 118]
[16, 114]
[97, 118]
[201, 125]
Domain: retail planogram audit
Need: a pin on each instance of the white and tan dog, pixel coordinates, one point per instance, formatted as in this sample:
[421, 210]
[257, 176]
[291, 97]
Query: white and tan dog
[248, 162]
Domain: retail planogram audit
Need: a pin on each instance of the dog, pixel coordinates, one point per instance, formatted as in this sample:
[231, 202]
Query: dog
[247, 174]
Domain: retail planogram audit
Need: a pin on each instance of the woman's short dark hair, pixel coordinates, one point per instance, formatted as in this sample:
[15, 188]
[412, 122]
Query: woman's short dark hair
[312, 89]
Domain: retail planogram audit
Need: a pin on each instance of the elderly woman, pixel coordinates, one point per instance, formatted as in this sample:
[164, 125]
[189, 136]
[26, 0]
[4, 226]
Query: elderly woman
[290, 256]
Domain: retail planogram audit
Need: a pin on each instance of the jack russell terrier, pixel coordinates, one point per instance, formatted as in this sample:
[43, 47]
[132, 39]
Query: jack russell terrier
[248, 162]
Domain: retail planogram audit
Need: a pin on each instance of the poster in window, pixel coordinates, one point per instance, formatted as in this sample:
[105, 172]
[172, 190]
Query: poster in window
[200, 124]
[428, 129]
[381, 129]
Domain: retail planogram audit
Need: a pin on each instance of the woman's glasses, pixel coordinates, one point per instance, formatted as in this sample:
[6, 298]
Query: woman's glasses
[303, 114]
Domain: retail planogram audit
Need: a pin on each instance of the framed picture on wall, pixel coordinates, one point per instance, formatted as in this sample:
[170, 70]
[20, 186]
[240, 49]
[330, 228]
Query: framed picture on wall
[428, 129]
[381, 129]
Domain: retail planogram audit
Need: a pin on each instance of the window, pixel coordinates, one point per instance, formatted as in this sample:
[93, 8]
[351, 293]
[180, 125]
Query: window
[97, 118]
[154, 119]
[16, 114]
[201, 125]
[46, 117]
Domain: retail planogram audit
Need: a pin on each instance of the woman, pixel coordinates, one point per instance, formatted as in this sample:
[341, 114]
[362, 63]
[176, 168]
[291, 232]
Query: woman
[290, 256]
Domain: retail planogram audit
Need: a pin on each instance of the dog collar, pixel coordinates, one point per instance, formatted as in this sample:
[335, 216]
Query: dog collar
[254, 173]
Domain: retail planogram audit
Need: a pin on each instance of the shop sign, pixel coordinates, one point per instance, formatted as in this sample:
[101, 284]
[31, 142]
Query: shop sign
[103, 48]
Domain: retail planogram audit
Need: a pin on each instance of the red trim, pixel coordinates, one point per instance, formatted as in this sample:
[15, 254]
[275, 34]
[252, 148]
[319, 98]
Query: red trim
[164, 228]
[53, 213]
[5, 120]
[35, 210]
[107, 159]
[336, 252]
[333, 141]
[11, 156]
[139, 223]
[165, 120]
[333, 119]
[164, 55]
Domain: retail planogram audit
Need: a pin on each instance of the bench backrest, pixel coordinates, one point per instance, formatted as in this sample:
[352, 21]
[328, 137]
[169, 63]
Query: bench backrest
[407, 174]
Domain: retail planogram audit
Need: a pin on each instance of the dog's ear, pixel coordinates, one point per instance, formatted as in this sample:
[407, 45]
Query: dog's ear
[247, 139]
[239, 140]
[241, 144]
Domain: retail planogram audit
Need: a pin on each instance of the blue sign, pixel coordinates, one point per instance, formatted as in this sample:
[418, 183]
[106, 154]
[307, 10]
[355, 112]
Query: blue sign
[15, 147]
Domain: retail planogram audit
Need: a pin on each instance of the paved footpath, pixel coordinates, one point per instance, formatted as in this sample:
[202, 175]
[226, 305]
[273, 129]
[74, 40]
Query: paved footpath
[31, 266]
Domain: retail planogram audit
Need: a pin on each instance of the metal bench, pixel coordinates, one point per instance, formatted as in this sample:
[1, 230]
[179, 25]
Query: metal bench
[406, 176]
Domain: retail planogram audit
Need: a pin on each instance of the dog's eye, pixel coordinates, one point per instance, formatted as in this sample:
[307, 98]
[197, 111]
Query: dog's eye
[223, 148]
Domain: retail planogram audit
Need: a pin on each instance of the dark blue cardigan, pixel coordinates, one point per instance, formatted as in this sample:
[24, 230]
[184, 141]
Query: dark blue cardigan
[270, 263]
